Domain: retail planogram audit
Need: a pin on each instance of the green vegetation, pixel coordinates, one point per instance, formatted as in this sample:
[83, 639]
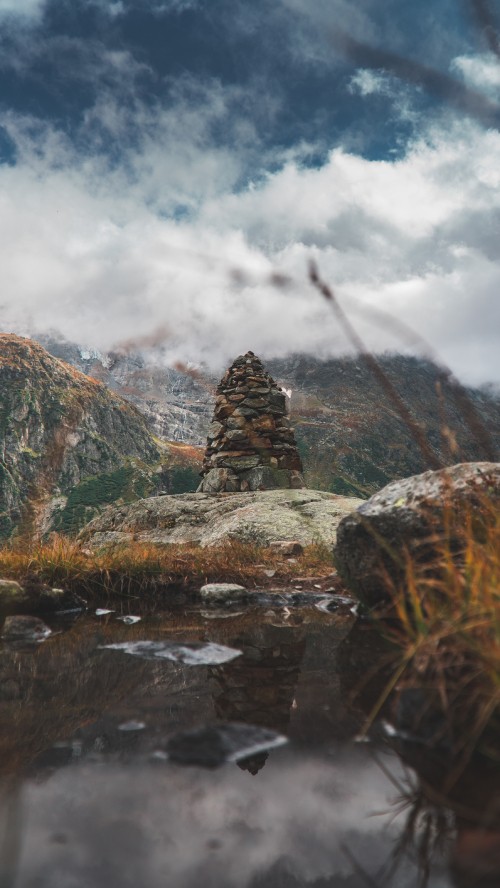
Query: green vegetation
[91, 495]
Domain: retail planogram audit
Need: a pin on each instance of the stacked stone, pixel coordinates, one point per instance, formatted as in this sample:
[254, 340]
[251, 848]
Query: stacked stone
[250, 443]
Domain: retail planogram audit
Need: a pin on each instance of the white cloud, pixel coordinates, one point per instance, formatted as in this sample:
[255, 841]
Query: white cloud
[367, 82]
[108, 254]
[294, 819]
[21, 7]
[480, 71]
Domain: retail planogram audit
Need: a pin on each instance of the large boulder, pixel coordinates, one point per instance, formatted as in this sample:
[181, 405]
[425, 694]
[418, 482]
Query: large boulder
[415, 518]
[260, 517]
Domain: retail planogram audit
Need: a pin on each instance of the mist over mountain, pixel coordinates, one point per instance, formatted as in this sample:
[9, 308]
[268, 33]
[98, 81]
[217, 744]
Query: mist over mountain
[350, 436]
[81, 429]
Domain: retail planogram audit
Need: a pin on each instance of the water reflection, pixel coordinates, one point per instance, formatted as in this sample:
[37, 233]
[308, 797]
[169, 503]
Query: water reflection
[86, 803]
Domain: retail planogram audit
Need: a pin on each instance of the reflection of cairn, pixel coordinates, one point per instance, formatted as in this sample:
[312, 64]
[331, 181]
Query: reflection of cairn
[259, 687]
[250, 443]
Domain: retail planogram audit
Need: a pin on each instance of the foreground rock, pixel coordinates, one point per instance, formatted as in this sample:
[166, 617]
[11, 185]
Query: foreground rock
[34, 597]
[24, 628]
[260, 517]
[417, 516]
[223, 592]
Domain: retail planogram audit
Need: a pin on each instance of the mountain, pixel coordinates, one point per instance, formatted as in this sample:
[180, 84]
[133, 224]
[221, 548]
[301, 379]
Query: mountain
[177, 403]
[351, 438]
[69, 446]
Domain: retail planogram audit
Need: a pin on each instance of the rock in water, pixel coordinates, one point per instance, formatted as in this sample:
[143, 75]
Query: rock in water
[415, 517]
[250, 443]
[12, 595]
[25, 629]
[213, 745]
[34, 597]
[223, 592]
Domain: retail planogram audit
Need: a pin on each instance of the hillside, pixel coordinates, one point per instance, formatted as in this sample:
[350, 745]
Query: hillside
[69, 446]
[350, 437]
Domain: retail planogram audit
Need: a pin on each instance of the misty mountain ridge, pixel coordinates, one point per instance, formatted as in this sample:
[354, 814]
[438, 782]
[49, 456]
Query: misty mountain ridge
[80, 430]
[351, 438]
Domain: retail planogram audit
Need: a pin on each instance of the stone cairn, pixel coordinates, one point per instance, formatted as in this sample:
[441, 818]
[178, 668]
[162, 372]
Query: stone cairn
[250, 443]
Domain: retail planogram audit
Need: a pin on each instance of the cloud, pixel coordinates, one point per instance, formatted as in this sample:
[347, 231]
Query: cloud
[479, 71]
[170, 207]
[21, 8]
[168, 238]
[157, 825]
[368, 82]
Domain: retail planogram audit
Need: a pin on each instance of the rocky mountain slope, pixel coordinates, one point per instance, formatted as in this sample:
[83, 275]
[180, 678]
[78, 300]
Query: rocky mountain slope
[350, 437]
[69, 446]
[177, 403]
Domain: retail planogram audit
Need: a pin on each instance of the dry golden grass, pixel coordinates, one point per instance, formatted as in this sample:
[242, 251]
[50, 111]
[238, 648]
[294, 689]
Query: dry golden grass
[447, 629]
[458, 603]
[138, 568]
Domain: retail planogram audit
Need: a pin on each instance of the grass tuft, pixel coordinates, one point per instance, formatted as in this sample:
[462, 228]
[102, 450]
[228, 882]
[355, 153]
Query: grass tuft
[136, 569]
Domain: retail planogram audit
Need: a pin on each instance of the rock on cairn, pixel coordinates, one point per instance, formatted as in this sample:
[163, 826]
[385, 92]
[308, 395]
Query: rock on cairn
[250, 443]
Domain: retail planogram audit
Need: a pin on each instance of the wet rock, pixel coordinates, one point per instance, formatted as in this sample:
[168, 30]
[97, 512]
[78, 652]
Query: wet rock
[34, 597]
[132, 725]
[214, 745]
[11, 595]
[419, 516]
[59, 601]
[189, 653]
[223, 592]
[24, 628]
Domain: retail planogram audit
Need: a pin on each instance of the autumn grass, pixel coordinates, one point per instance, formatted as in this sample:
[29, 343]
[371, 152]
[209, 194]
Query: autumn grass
[138, 569]
[447, 630]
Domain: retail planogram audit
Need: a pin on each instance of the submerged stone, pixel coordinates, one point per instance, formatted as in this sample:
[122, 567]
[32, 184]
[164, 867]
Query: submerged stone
[24, 628]
[34, 597]
[214, 745]
[11, 593]
[189, 653]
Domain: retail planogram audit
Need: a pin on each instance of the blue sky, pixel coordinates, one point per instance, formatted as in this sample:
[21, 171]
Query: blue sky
[161, 159]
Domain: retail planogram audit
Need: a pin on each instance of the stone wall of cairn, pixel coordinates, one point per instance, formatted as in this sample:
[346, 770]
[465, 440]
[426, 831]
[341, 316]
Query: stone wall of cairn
[250, 443]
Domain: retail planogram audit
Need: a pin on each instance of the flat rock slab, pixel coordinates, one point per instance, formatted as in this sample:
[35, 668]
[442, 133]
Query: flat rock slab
[260, 517]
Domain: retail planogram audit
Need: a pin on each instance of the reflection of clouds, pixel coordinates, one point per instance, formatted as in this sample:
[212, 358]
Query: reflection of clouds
[154, 827]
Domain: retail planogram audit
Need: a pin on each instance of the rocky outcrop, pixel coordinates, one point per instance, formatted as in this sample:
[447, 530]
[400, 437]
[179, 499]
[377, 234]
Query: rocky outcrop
[68, 446]
[418, 518]
[260, 517]
[251, 445]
